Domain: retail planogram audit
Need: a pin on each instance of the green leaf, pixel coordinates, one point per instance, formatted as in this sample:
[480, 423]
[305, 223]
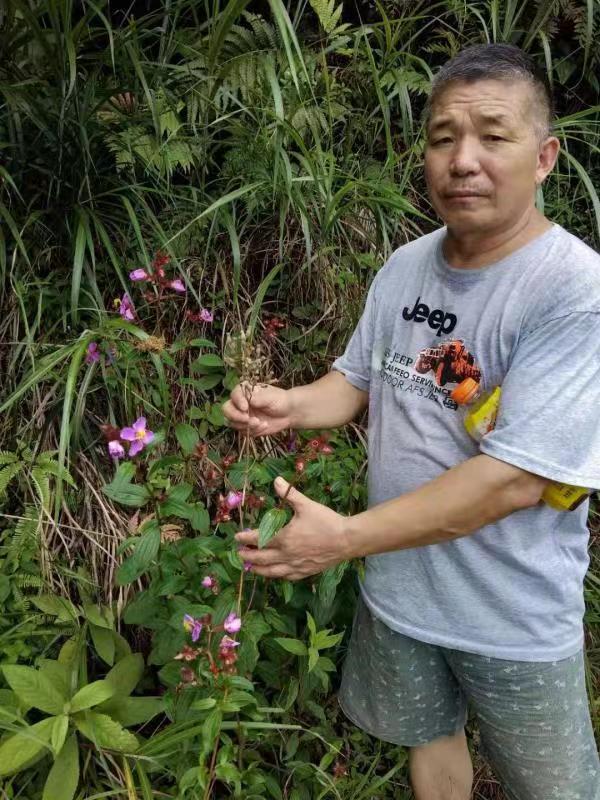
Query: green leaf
[271, 523]
[313, 657]
[58, 675]
[91, 695]
[121, 490]
[324, 639]
[101, 617]
[187, 436]
[208, 360]
[104, 643]
[294, 646]
[145, 552]
[105, 732]
[129, 711]
[34, 688]
[59, 732]
[56, 607]
[199, 518]
[211, 728]
[26, 747]
[126, 674]
[208, 381]
[63, 778]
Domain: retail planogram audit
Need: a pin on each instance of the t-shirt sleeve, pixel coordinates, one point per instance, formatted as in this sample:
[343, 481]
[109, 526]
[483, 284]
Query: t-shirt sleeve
[550, 404]
[355, 363]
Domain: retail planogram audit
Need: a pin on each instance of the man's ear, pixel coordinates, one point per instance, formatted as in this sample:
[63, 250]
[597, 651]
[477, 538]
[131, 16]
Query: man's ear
[547, 155]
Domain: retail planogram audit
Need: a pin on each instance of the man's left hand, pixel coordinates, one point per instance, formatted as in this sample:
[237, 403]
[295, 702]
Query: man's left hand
[314, 539]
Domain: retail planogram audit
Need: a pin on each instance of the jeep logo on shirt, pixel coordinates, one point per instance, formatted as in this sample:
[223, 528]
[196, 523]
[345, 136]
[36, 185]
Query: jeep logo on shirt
[437, 319]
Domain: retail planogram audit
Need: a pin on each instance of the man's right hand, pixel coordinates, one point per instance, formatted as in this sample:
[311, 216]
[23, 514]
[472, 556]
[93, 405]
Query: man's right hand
[268, 411]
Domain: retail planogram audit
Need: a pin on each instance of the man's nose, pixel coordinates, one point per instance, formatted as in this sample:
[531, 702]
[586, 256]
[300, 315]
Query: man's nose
[465, 160]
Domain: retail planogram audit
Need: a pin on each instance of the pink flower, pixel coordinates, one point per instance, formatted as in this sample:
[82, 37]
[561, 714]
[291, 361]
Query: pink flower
[247, 566]
[232, 623]
[126, 309]
[139, 275]
[206, 315]
[208, 582]
[193, 626]
[116, 449]
[92, 354]
[177, 285]
[227, 643]
[233, 500]
[138, 435]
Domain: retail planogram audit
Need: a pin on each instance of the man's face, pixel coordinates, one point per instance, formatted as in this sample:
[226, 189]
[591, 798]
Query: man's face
[483, 155]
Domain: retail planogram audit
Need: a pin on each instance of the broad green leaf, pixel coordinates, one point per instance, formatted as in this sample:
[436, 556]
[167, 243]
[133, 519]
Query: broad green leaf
[126, 674]
[294, 646]
[132, 710]
[91, 695]
[63, 778]
[187, 436]
[204, 704]
[101, 617]
[104, 642]
[34, 688]
[121, 490]
[145, 552]
[105, 732]
[26, 747]
[324, 639]
[208, 360]
[59, 732]
[270, 525]
[199, 518]
[55, 606]
[210, 730]
[58, 675]
[313, 657]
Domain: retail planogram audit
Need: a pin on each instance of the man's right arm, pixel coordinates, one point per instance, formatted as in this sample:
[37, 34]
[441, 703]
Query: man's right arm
[329, 402]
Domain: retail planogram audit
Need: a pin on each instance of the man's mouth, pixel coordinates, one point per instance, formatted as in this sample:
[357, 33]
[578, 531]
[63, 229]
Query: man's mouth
[464, 193]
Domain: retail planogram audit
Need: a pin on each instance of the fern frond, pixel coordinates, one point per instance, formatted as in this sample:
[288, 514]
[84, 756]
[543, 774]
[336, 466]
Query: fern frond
[7, 474]
[6, 457]
[327, 13]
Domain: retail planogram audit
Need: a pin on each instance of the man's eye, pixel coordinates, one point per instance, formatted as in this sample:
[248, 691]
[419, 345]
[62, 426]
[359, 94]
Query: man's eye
[491, 137]
[443, 140]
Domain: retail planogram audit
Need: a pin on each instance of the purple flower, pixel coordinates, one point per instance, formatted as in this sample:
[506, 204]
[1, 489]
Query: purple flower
[233, 500]
[177, 285]
[247, 566]
[208, 582]
[137, 435]
[193, 626]
[92, 354]
[292, 442]
[206, 315]
[227, 643]
[126, 309]
[139, 275]
[116, 449]
[232, 623]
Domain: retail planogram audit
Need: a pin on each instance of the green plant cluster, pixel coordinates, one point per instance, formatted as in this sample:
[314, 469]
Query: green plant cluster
[254, 164]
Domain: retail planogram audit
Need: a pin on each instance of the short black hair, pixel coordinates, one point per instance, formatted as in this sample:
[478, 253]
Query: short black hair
[503, 62]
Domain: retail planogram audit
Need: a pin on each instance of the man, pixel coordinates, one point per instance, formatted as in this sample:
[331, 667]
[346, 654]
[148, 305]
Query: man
[473, 588]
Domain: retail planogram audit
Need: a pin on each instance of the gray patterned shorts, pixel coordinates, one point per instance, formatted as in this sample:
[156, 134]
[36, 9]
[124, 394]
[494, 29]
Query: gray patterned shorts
[533, 717]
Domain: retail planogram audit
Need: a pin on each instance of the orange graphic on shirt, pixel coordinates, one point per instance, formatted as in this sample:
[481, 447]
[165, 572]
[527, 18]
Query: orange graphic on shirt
[450, 362]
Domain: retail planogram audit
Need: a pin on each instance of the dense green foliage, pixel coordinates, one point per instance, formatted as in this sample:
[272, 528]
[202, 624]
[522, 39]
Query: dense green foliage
[268, 157]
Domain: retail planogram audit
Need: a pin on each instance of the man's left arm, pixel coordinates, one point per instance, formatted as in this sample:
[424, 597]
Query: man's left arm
[459, 502]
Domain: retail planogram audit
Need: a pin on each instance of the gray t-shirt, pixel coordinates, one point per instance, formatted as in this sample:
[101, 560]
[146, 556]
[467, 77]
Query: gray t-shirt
[530, 323]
